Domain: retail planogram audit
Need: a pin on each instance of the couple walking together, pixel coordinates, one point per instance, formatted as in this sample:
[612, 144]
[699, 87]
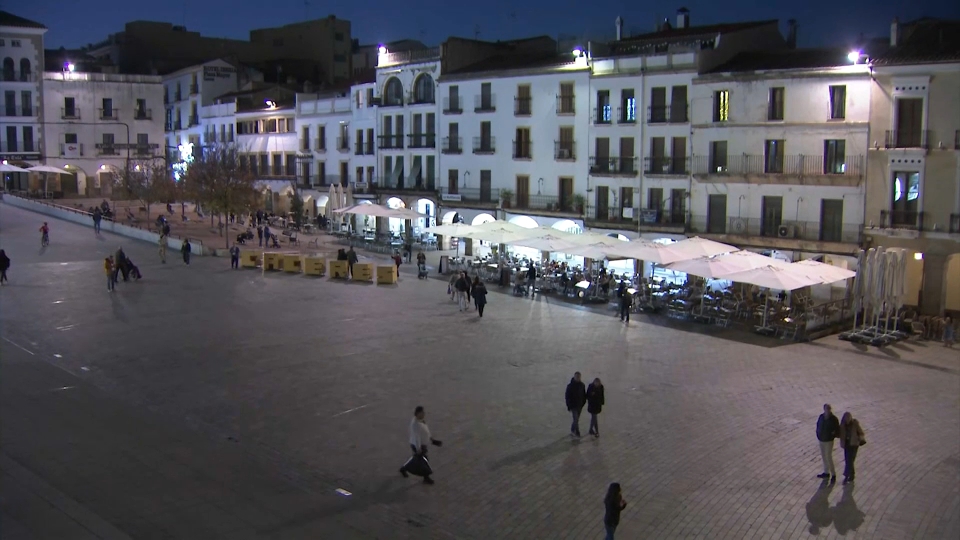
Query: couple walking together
[577, 396]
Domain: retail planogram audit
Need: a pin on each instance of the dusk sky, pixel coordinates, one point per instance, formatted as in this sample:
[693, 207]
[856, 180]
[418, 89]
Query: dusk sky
[73, 23]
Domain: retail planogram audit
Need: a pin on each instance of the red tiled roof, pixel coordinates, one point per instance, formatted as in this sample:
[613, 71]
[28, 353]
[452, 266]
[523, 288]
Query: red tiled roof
[9, 19]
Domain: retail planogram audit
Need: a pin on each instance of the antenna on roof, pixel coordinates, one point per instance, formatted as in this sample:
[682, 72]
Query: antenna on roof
[476, 31]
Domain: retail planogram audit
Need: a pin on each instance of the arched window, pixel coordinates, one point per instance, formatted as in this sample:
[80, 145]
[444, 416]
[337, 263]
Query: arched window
[24, 69]
[393, 92]
[8, 69]
[423, 89]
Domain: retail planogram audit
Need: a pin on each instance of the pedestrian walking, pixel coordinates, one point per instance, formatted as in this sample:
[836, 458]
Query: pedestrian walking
[259, 231]
[462, 286]
[185, 250]
[626, 302]
[595, 405]
[852, 438]
[613, 504]
[397, 260]
[419, 437]
[234, 257]
[828, 428]
[109, 270]
[532, 279]
[97, 217]
[4, 266]
[352, 259]
[576, 398]
[948, 332]
[479, 295]
[120, 266]
[162, 248]
[266, 236]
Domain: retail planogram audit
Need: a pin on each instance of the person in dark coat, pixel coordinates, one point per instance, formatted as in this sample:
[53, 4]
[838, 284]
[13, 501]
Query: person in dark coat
[626, 302]
[479, 295]
[259, 231]
[185, 250]
[97, 217]
[351, 260]
[4, 266]
[576, 397]
[594, 405]
[828, 429]
[120, 265]
[613, 504]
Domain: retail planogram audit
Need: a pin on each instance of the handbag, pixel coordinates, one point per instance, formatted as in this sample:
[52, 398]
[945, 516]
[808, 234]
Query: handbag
[418, 466]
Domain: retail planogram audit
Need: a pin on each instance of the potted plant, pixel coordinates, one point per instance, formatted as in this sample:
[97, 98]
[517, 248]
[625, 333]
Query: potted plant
[579, 202]
[506, 197]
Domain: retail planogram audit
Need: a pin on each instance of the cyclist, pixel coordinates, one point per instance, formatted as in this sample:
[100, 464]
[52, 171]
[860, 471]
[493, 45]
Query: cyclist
[45, 236]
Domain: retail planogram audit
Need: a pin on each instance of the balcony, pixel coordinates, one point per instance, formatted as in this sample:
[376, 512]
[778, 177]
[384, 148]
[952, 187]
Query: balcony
[424, 98]
[522, 150]
[167, 126]
[69, 113]
[11, 75]
[71, 150]
[603, 116]
[26, 111]
[566, 104]
[613, 166]
[811, 231]
[343, 144]
[663, 218]
[955, 223]
[194, 120]
[358, 151]
[104, 149]
[907, 138]
[390, 142]
[901, 219]
[194, 89]
[324, 180]
[610, 215]
[793, 165]
[109, 114]
[523, 106]
[666, 166]
[484, 145]
[405, 183]
[319, 145]
[564, 150]
[143, 114]
[471, 195]
[485, 103]
[547, 203]
[675, 113]
[177, 96]
[10, 111]
[408, 57]
[422, 140]
[452, 145]
[627, 114]
[370, 149]
[453, 105]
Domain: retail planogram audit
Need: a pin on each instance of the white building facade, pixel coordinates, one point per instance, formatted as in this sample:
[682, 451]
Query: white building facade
[779, 157]
[324, 143]
[185, 92]
[96, 124]
[21, 130]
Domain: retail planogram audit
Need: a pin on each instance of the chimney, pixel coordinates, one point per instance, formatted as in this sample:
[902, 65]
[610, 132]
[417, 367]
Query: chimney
[895, 32]
[792, 33]
[619, 23]
[683, 18]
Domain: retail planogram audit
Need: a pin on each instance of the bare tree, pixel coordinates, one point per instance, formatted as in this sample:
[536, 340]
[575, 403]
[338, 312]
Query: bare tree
[147, 181]
[216, 179]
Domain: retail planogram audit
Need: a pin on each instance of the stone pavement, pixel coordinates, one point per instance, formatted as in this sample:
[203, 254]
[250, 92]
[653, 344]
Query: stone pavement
[200, 380]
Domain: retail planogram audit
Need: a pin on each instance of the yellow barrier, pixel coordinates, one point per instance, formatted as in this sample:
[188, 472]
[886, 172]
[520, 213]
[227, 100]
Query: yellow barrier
[339, 269]
[272, 261]
[386, 275]
[314, 266]
[363, 272]
[249, 259]
[292, 263]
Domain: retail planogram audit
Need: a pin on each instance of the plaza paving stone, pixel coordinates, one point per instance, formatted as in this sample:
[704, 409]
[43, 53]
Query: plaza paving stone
[205, 402]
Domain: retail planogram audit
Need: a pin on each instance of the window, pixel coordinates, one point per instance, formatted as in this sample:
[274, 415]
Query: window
[305, 139]
[28, 141]
[485, 101]
[566, 101]
[721, 106]
[628, 107]
[106, 110]
[369, 141]
[321, 137]
[521, 145]
[678, 104]
[524, 101]
[393, 93]
[338, 36]
[14, 42]
[107, 145]
[838, 102]
[70, 138]
[290, 162]
[11, 139]
[264, 167]
[909, 124]
[141, 111]
[10, 102]
[523, 191]
[831, 220]
[359, 149]
[834, 156]
[604, 113]
[904, 207]
[452, 104]
[453, 181]
[773, 156]
[24, 70]
[658, 105]
[718, 157]
[775, 105]
[70, 108]
[9, 72]
[143, 139]
[423, 89]
[771, 215]
[565, 143]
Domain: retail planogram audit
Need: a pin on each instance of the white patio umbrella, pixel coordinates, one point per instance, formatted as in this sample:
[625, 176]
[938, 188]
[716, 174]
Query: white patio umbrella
[691, 248]
[599, 251]
[48, 169]
[827, 272]
[332, 201]
[454, 229]
[365, 210]
[724, 264]
[643, 250]
[405, 213]
[7, 168]
[549, 242]
[778, 277]
[501, 232]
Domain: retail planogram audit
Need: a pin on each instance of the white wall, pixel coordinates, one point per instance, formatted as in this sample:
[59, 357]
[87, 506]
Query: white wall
[29, 46]
[408, 74]
[331, 113]
[544, 124]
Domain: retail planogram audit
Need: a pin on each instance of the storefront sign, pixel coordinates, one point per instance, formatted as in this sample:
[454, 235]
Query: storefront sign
[20, 157]
[453, 197]
[212, 73]
[648, 215]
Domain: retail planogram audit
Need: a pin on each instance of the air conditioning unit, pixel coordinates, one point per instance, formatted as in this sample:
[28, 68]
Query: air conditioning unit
[738, 226]
[564, 153]
[787, 231]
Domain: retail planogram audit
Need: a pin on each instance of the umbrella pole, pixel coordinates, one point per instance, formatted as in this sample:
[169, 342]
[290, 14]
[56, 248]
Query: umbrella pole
[766, 304]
